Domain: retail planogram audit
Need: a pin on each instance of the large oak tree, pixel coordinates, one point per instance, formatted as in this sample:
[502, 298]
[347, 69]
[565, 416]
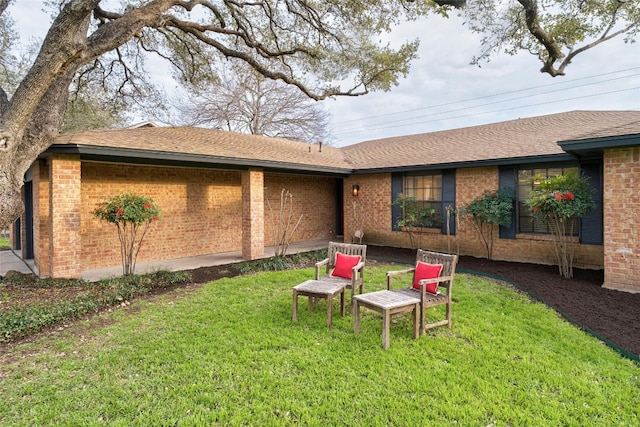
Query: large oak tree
[324, 48]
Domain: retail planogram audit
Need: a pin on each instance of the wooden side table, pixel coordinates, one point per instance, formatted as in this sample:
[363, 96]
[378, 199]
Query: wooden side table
[315, 289]
[388, 303]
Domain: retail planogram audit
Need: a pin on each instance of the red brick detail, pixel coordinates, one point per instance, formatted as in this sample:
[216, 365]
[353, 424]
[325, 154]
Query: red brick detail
[621, 222]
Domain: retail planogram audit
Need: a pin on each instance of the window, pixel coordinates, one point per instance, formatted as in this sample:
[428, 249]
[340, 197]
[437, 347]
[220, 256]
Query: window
[426, 190]
[526, 185]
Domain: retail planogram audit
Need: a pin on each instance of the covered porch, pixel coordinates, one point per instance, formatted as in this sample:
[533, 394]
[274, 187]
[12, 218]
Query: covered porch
[11, 261]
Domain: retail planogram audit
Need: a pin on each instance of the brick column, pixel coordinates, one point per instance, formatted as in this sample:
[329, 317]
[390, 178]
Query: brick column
[41, 226]
[621, 221]
[64, 214]
[253, 214]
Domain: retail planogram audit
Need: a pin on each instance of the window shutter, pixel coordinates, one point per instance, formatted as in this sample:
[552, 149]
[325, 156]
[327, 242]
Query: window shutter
[397, 183]
[591, 225]
[507, 180]
[448, 198]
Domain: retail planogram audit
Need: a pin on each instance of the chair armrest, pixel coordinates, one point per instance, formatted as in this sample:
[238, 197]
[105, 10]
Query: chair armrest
[320, 264]
[437, 280]
[354, 274]
[358, 266]
[390, 275]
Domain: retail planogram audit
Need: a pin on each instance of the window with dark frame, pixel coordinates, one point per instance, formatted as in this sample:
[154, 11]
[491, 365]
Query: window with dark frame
[527, 224]
[426, 189]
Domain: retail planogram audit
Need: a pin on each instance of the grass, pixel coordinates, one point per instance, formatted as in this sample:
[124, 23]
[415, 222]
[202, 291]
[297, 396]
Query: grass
[229, 354]
[19, 318]
[4, 243]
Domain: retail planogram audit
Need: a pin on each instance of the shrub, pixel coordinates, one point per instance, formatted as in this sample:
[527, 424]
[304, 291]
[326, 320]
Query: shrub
[131, 214]
[492, 209]
[558, 201]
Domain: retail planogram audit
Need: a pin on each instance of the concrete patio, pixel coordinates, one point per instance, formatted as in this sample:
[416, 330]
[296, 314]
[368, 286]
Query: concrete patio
[10, 261]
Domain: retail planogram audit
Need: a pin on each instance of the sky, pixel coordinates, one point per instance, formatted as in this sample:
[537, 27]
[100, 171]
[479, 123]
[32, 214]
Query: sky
[443, 91]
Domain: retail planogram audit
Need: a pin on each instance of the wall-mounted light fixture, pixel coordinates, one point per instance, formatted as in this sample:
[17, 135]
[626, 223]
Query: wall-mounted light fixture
[355, 190]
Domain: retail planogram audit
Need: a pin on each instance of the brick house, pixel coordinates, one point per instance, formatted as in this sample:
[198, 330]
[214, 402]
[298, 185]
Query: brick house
[218, 191]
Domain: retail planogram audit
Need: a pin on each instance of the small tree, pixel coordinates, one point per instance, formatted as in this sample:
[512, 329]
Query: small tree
[283, 226]
[415, 217]
[492, 209]
[358, 221]
[132, 215]
[559, 201]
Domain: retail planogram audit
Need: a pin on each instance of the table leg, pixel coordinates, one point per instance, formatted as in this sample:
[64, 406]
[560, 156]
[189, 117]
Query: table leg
[295, 305]
[329, 311]
[385, 328]
[356, 317]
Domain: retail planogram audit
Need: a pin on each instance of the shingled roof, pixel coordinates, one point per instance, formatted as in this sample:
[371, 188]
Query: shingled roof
[519, 140]
[206, 146]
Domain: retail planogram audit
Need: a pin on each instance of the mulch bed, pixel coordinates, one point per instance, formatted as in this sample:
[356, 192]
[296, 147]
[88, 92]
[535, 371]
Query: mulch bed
[611, 315]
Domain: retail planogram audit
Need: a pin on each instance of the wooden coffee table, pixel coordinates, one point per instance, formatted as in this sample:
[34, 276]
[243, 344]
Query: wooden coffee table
[387, 303]
[317, 289]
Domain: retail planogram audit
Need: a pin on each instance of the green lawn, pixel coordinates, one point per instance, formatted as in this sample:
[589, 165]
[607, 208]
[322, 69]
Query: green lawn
[4, 243]
[229, 354]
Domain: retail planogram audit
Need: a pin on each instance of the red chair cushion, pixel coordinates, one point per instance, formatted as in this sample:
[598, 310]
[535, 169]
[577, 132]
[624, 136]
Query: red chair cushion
[427, 271]
[344, 265]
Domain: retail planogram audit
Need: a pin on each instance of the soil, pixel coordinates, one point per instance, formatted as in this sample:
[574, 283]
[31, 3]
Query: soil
[613, 316]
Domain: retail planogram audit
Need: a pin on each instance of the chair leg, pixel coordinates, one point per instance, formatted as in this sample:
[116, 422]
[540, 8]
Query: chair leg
[449, 315]
[295, 306]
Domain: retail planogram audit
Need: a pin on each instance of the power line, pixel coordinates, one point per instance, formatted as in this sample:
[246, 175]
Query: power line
[486, 112]
[350, 130]
[495, 95]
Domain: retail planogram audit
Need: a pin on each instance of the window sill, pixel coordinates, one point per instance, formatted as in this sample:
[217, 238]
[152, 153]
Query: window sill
[541, 237]
[427, 230]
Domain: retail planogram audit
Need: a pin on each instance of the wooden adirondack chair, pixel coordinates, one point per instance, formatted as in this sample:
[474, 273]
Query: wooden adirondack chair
[425, 275]
[356, 280]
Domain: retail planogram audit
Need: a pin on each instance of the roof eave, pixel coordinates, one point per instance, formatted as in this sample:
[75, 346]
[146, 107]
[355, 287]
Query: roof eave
[163, 158]
[549, 158]
[591, 147]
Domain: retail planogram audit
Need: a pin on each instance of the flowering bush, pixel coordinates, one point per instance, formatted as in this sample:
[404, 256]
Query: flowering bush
[492, 209]
[131, 214]
[558, 201]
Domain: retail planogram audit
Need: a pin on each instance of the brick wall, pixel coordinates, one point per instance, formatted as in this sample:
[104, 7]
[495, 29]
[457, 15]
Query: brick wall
[314, 198]
[375, 191]
[201, 211]
[621, 219]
